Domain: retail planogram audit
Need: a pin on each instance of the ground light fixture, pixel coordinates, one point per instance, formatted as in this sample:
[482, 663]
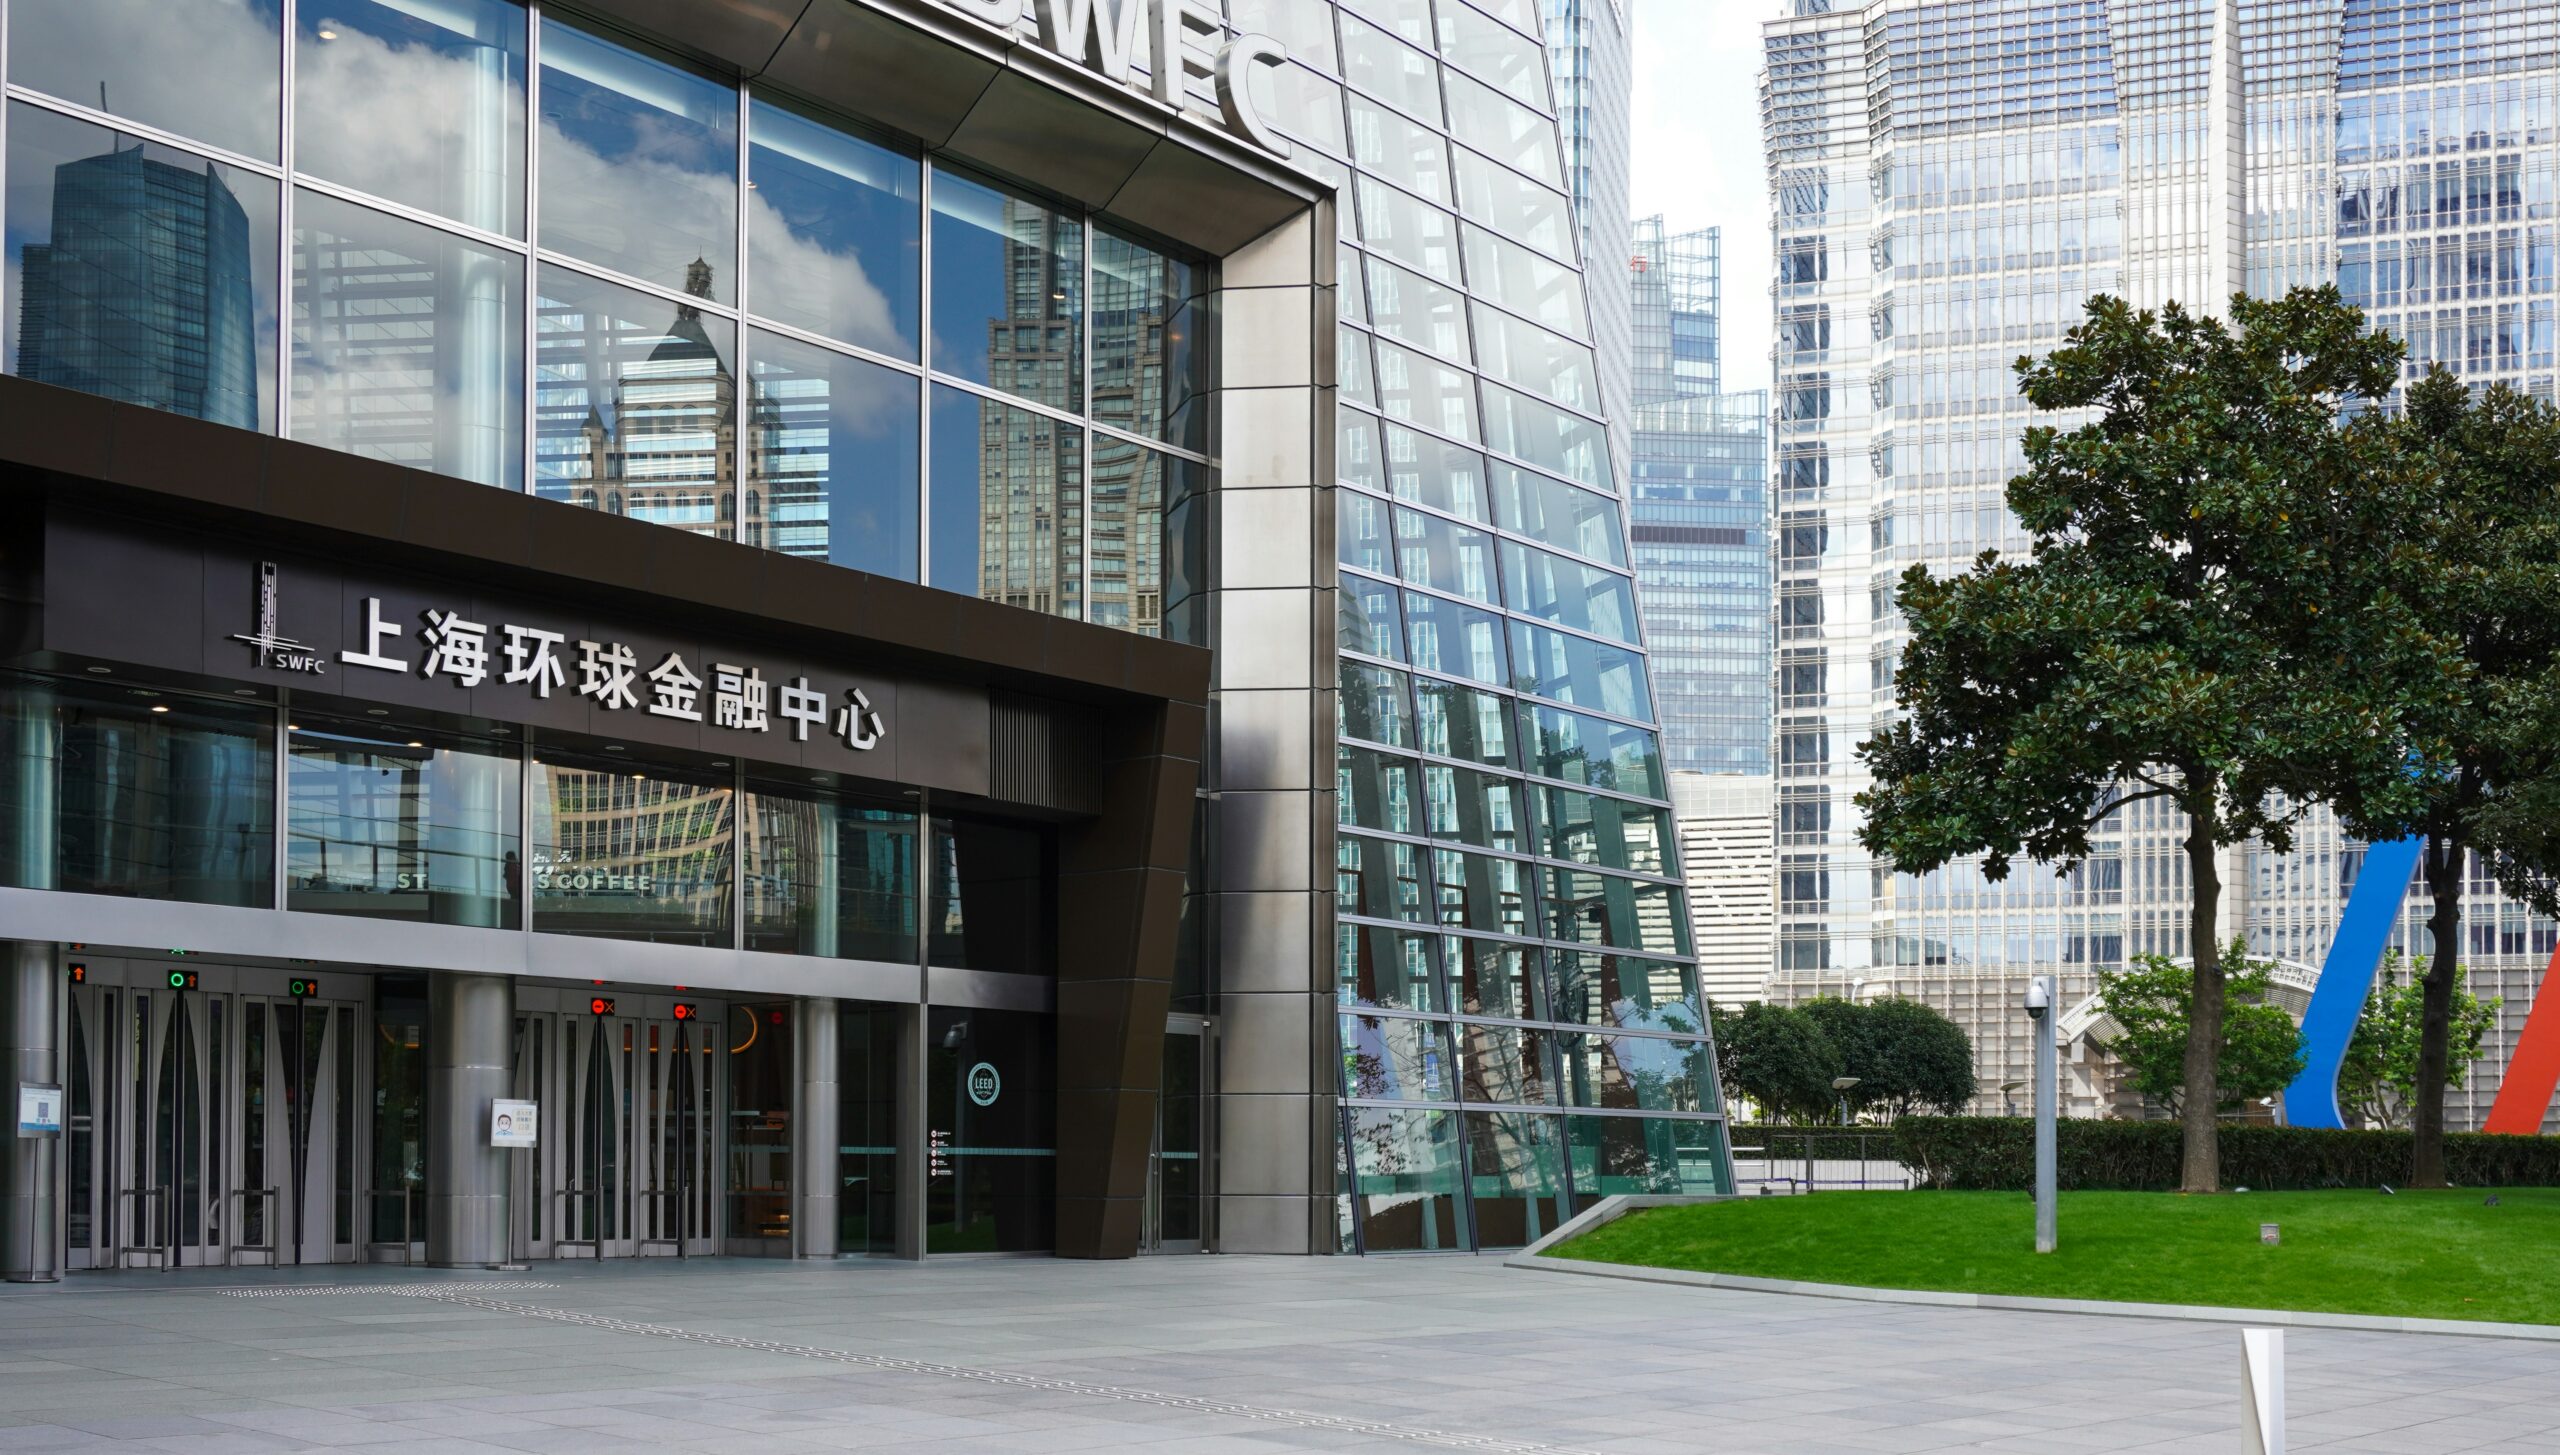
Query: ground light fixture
[1841, 1084]
[2040, 991]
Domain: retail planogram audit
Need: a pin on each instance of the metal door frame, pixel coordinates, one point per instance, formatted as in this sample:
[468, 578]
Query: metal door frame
[646, 1216]
[137, 1221]
[1151, 1237]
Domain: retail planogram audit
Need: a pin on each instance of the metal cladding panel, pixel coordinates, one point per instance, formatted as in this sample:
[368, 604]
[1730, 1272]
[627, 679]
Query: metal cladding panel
[1042, 754]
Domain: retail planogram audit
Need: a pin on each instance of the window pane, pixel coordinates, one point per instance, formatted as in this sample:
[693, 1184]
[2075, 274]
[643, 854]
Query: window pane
[1559, 514]
[1579, 671]
[991, 897]
[631, 853]
[1515, 1168]
[1150, 344]
[1008, 504]
[206, 69]
[1299, 102]
[1000, 1195]
[1474, 808]
[1412, 232]
[1405, 1165]
[1436, 473]
[1621, 990]
[1393, 1058]
[408, 343]
[1499, 54]
[1493, 978]
[828, 877]
[1372, 706]
[835, 230]
[1614, 1155]
[639, 165]
[1307, 30]
[635, 406]
[1536, 288]
[1503, 129]
[1376, 790]
[1567, 592]
[1545, 436]
[1480, 892]
[1506, 1064]
[1589, 750]
[1604, 909]
[1007, 273]
[1419, 311]
[1360, 532]
[1463, 722]
[1637, 1073]
[1368, 621]
[111, 242]
[1375, 966]
[421, 102]
[104, 795]
[1434, 552]
[1612, 833]
[1409, 155]
[1538, 361]
[1379, 878]
[1382, 65]
[1414, 387]
[1514, 206]
[1351, 370]
[403, 824]
[834, 467]
[1458, 640]
[1136, 544]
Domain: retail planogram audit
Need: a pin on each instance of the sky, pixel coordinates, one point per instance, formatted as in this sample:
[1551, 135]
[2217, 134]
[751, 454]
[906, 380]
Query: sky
[1697, 152]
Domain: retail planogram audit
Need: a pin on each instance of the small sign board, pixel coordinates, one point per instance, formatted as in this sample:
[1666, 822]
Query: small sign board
[39, 1110]
[2268, 1234]
[513, 1123]
[985, 1085]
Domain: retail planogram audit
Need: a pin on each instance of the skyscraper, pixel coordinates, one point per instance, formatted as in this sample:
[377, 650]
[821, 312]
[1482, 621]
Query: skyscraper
[1949, 183]
[1590, 49]
[142, 292]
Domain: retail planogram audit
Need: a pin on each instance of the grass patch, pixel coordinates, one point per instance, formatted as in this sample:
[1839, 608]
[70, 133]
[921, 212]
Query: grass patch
[2418, 1255]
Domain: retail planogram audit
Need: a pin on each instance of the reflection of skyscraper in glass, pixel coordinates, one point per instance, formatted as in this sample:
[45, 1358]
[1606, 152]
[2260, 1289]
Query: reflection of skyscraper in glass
[143, 291]
[1031, 467]
[671, 454]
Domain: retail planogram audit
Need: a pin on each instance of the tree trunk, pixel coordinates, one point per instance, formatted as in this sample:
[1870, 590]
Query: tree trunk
[2202, 1094]
[2442, 863]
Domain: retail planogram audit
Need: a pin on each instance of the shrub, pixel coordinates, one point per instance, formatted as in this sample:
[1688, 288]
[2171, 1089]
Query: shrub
[1998, 1154]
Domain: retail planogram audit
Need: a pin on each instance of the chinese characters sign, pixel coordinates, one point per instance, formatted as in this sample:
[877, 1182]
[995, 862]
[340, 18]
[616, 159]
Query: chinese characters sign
[445, 644]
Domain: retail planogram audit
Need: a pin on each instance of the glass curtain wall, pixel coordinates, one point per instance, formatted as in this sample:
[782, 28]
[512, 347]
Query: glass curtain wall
[727, 331]
[1521, 1026]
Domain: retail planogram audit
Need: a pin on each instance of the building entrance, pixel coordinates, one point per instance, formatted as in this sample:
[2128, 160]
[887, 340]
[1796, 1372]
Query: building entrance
[628, 1159]
[213, 1115]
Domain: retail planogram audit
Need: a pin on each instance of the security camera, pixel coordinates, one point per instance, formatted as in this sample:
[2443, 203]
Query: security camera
[2039, 995]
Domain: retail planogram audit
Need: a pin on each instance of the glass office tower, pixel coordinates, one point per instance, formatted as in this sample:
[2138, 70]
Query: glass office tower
[1949, 183]
[1591, 53]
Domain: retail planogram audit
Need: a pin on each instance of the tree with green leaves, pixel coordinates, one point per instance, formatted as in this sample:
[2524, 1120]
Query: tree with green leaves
[2193, 621]
[2153, 1006]
[2378, 1081]
[2478, 561]
[1777, 1058]
[1907, 1056]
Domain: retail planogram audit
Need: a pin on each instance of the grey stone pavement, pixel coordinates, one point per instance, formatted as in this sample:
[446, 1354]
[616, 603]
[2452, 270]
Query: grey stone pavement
[1205, 1354]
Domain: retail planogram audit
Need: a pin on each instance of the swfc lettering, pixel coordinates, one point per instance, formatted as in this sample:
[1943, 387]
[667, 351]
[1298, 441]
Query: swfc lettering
[282, 653]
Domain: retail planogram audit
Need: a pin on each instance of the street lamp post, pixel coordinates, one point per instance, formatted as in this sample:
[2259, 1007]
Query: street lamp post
[2040, 1011]
[1841, 1084]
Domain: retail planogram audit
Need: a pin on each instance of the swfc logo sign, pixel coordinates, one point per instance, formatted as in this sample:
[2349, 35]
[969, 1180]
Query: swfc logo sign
[280, 652]
[1177, 40]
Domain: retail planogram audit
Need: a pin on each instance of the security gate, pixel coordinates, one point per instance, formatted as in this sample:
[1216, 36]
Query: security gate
[213, 1115]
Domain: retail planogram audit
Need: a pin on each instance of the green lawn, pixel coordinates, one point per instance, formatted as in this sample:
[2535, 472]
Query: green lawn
[2420, 1254]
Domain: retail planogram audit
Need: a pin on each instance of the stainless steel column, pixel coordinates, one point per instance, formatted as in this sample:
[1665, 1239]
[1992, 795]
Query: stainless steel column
[470, 1031]
[816, 1168]
[30, 1010]
[914, 1163]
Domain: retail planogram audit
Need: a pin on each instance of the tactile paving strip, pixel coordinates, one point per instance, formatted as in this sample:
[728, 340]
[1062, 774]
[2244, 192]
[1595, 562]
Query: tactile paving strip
[411, 1290]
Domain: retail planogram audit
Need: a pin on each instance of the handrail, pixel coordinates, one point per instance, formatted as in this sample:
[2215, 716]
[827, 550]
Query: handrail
[158, 1198]
[273, 1197]
[408, 1225]
[656, 1195]
[595, 1203]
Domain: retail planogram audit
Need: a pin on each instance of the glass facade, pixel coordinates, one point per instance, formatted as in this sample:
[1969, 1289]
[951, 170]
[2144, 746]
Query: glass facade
[526, 254]
[1499, 787]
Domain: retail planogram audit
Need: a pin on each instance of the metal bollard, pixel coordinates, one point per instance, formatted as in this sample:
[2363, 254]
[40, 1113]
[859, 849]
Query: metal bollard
[2262, 1390]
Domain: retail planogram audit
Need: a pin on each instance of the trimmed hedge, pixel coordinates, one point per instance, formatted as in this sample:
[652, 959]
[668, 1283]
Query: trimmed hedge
[1998, 1154]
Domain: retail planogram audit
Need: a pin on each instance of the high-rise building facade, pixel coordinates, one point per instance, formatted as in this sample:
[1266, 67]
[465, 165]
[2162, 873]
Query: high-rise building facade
[1699, 500]
[1732, 859]
[1591, 54]
[1949, 182]
[912, 626]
